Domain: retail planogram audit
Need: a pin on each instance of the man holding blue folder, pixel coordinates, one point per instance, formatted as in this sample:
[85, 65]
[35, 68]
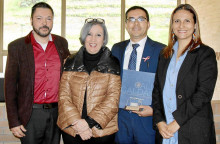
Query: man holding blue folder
[138, 59]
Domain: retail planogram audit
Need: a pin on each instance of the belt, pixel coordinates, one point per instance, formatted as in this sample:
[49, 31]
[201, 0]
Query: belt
[45, 106]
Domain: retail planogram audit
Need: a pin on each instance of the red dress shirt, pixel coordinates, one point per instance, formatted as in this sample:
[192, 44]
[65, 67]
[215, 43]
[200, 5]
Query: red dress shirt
[47, 72]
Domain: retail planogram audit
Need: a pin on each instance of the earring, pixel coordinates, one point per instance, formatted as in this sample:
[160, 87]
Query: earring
[194, 37]
[173, 37]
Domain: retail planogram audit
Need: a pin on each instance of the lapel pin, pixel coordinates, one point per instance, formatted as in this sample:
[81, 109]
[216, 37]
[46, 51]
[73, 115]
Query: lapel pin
[146, 59]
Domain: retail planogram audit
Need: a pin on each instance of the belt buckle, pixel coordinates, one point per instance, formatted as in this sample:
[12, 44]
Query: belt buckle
[47, 106]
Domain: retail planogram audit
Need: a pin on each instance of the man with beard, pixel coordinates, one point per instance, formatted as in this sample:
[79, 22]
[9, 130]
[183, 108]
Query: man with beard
[33, 70]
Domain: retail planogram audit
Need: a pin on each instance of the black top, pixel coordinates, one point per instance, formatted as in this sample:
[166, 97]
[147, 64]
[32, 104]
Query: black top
[90, 61]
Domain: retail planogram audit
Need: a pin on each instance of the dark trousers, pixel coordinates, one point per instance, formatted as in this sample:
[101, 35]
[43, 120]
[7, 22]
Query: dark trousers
[134, 129]
[42, 127]
[68, 139]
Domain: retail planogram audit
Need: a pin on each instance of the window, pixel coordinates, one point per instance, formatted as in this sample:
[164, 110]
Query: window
[17, 19]
[16, 22]
[77, 11]
[159, 14]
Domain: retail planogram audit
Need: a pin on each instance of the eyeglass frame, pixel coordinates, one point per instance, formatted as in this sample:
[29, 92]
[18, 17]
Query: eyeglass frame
[139, 19]
[99, 20]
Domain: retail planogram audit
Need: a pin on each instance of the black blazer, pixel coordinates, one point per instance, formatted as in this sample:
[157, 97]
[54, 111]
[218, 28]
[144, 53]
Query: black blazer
[194, 90]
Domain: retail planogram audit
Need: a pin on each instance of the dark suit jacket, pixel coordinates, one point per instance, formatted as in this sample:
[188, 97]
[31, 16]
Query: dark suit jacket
[19, 77]
[152, 49]
[195, 86]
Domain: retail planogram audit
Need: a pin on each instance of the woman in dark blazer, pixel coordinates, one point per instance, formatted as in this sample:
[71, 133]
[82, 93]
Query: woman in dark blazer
[184, 84]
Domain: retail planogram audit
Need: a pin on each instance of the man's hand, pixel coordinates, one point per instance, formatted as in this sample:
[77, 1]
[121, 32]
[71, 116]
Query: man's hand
[146, 111]
[163, 129]
[18, 131]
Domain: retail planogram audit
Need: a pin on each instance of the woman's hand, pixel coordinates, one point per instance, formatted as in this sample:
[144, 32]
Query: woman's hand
[164, 131]
[85, 135]
[80, 126]
[146, 111]
[173, 127]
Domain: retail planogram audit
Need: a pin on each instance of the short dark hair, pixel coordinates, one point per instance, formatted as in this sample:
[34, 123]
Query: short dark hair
[40, 5]
[137, 7]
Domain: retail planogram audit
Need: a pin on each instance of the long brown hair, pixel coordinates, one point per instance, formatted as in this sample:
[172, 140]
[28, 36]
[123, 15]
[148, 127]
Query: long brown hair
[168, 51]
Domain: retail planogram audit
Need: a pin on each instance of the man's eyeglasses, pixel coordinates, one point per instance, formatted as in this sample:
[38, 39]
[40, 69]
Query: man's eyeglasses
[132, 19]
[90, 20]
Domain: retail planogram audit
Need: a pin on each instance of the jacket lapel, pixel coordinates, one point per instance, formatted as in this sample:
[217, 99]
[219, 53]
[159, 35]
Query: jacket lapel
[58, 46]
[30, 56]
[148, 52]
[164, 71]
[186, 66]
[122, 52]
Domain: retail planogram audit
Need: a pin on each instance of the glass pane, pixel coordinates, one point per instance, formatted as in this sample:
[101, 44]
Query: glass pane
[159, 13]
[78, 10]
[17, 15]
[2, 75]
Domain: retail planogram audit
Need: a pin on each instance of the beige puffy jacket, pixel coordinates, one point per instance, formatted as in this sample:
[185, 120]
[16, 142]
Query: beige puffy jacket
[102, 87]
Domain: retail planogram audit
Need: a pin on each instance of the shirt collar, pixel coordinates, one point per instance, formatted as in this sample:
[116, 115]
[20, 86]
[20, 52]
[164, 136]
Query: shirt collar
[50, 37]
[175, 46]
[141, 42]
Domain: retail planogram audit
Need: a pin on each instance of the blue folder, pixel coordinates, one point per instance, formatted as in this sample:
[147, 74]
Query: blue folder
[136, 84]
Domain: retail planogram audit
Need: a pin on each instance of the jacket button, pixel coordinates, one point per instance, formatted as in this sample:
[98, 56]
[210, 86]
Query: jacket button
[61, 51]
[180, 96]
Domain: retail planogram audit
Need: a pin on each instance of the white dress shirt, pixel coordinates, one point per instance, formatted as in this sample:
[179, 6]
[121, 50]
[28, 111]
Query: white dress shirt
[139, 49]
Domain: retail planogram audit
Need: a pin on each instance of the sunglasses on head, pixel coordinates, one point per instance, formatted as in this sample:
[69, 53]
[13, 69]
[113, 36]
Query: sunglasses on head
[90, 20]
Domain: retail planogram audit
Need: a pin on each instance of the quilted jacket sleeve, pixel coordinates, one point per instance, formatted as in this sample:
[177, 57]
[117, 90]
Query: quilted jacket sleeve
[107, 109]
[68, 112]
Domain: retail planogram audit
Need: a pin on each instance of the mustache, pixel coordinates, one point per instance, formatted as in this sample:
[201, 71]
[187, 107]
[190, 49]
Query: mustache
[44, 27]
